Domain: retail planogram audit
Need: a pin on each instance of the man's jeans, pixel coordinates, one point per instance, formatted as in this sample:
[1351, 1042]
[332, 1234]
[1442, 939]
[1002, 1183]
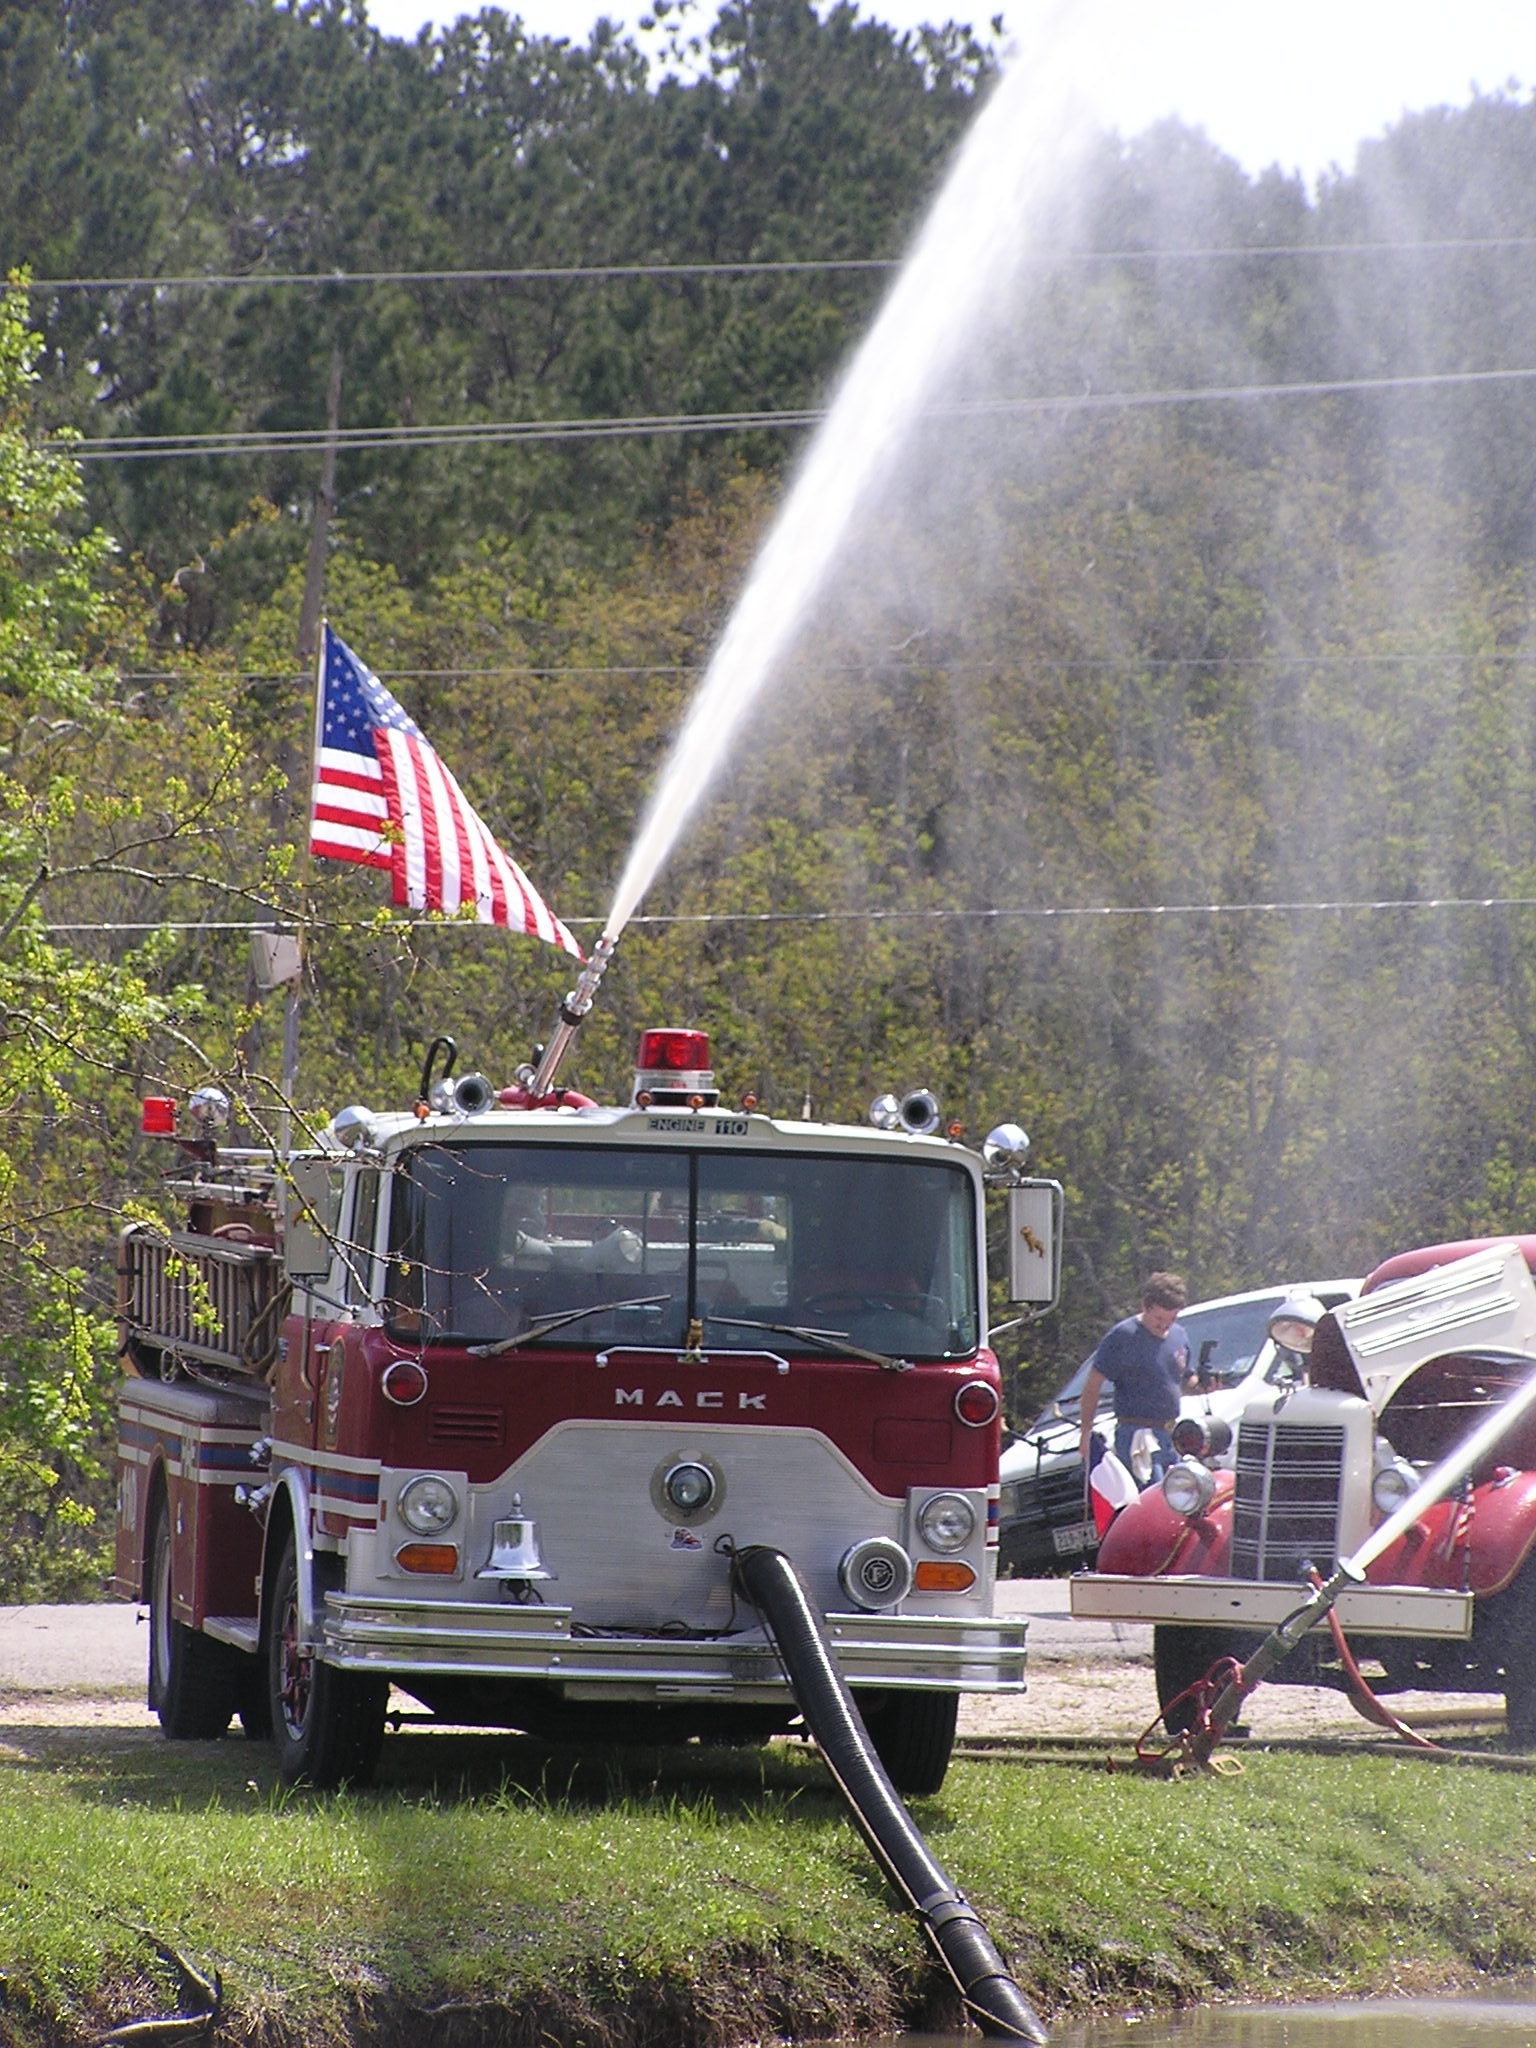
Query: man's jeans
[1162, 1457]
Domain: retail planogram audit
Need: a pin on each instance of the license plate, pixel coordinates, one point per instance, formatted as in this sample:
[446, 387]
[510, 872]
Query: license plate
[1075, 1536]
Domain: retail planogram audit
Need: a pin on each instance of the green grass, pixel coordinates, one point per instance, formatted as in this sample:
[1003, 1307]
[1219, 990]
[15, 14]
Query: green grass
[705, 1896]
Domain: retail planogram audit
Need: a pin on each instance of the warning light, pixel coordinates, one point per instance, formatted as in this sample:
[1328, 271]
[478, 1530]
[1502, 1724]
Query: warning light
[977, 1404]
[672, 1070]
[673, 1052]
[157, 1116]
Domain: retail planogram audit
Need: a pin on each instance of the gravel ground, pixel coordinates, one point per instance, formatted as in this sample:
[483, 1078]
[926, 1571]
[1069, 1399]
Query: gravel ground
[1089, 1682]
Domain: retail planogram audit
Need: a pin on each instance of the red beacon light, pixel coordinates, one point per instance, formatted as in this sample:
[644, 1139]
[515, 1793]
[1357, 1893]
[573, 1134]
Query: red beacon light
[672, 1070]
[157, 1116]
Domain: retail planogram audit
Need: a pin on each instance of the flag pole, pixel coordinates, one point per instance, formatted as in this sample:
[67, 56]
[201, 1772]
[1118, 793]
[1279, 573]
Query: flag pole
[290, 1068]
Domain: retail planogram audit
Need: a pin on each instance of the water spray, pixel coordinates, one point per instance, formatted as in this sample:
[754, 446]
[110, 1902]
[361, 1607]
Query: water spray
[1015, 150]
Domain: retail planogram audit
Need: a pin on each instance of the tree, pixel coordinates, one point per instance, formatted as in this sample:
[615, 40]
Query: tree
[90, 800]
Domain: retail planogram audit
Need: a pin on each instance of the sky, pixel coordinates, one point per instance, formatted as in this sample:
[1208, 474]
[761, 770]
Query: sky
[1300, 85]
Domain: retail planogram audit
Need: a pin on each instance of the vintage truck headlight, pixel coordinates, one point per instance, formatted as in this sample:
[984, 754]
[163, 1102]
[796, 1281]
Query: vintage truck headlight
[1187, 1488]
[428, 1504]
[1390, 1487]
[946, 1521]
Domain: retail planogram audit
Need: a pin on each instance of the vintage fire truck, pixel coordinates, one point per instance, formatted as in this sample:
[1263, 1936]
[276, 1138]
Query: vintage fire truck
[476, 1400]
[1439, 1339]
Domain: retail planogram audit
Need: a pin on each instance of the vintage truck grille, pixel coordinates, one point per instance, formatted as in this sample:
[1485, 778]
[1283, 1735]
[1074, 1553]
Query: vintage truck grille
[1286, 1502]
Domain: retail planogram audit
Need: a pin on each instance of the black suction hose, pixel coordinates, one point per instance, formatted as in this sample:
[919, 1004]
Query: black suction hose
[768, 1579]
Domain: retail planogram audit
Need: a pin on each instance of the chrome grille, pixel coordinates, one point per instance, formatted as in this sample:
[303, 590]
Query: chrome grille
[1286, 1500]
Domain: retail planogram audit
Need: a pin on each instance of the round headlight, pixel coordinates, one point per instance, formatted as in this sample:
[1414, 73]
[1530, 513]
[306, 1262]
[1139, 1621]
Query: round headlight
[1187, 1488]
[946, 1521]
[1293, 1323]
[428, 1504]
[1390, 1488]
[689, 1487]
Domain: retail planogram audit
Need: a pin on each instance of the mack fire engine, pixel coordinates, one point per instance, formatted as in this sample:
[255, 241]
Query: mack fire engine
[476, 1399]
[1438, 1342]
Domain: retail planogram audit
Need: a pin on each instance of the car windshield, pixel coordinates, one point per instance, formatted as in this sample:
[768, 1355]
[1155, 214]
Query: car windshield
[630, 1246]
[1225, 1340]
[1069, 1399]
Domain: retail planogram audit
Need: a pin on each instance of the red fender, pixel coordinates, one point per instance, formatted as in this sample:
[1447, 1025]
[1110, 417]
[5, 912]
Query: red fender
[1481, 1546]
[1148, 1538]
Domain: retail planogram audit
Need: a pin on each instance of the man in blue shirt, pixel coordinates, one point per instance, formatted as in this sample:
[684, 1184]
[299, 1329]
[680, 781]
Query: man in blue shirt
[1146, 1359]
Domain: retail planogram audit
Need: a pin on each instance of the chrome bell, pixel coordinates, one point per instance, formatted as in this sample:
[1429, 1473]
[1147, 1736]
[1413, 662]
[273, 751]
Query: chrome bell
[515, 1548]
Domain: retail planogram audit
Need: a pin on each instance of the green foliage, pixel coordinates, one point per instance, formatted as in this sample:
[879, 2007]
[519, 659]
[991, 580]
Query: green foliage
[107, 795]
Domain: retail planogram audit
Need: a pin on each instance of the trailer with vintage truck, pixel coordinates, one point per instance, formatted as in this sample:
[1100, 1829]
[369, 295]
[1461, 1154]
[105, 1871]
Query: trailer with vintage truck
[1440, 1344]
[479, 1398]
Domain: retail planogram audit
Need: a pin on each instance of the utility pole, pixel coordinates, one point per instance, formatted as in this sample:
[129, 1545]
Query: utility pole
[277, 958]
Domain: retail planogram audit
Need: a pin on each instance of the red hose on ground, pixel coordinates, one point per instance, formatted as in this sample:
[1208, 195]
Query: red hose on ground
[1361, 1698]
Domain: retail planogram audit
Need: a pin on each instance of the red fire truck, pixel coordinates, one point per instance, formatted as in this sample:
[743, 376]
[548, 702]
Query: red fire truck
[477, 1398]
[1438, 1341]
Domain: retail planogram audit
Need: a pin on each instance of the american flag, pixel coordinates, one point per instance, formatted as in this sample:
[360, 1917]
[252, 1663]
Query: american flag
[383, 799]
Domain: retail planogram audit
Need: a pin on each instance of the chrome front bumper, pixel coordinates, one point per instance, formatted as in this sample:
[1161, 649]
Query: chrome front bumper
[1261, 1604]
[481, 1640]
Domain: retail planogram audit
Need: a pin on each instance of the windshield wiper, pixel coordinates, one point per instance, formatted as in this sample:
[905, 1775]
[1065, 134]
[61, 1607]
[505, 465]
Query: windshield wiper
[541, 1326]
[829, 1340]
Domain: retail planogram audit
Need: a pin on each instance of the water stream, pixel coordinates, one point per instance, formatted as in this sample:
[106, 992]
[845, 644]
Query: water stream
[969, 246]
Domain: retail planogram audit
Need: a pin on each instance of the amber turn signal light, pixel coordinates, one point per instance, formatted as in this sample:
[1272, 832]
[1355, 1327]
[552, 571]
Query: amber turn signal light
[439, 1558]
[943, 1575]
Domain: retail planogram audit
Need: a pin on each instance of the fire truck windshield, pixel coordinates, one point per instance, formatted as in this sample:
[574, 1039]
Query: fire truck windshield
[615, 1245]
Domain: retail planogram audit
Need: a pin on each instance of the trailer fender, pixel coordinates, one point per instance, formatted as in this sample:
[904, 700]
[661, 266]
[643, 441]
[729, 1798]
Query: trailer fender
[290, 1510]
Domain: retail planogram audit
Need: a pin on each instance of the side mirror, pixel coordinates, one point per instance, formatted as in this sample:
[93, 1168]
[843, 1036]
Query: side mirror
[311, 1214]
[1034, 1243]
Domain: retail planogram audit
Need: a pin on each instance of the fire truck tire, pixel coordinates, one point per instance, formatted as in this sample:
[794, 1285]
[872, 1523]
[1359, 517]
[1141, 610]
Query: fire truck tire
[328, 1725]
[191, 1677]
[913, 1734]
[253, 1699]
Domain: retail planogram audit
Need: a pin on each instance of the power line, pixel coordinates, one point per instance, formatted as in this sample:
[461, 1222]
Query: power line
[175, 447]
[170, 447]
[1022, 913]
[594, 273]
[541, 273]
[884, 664]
